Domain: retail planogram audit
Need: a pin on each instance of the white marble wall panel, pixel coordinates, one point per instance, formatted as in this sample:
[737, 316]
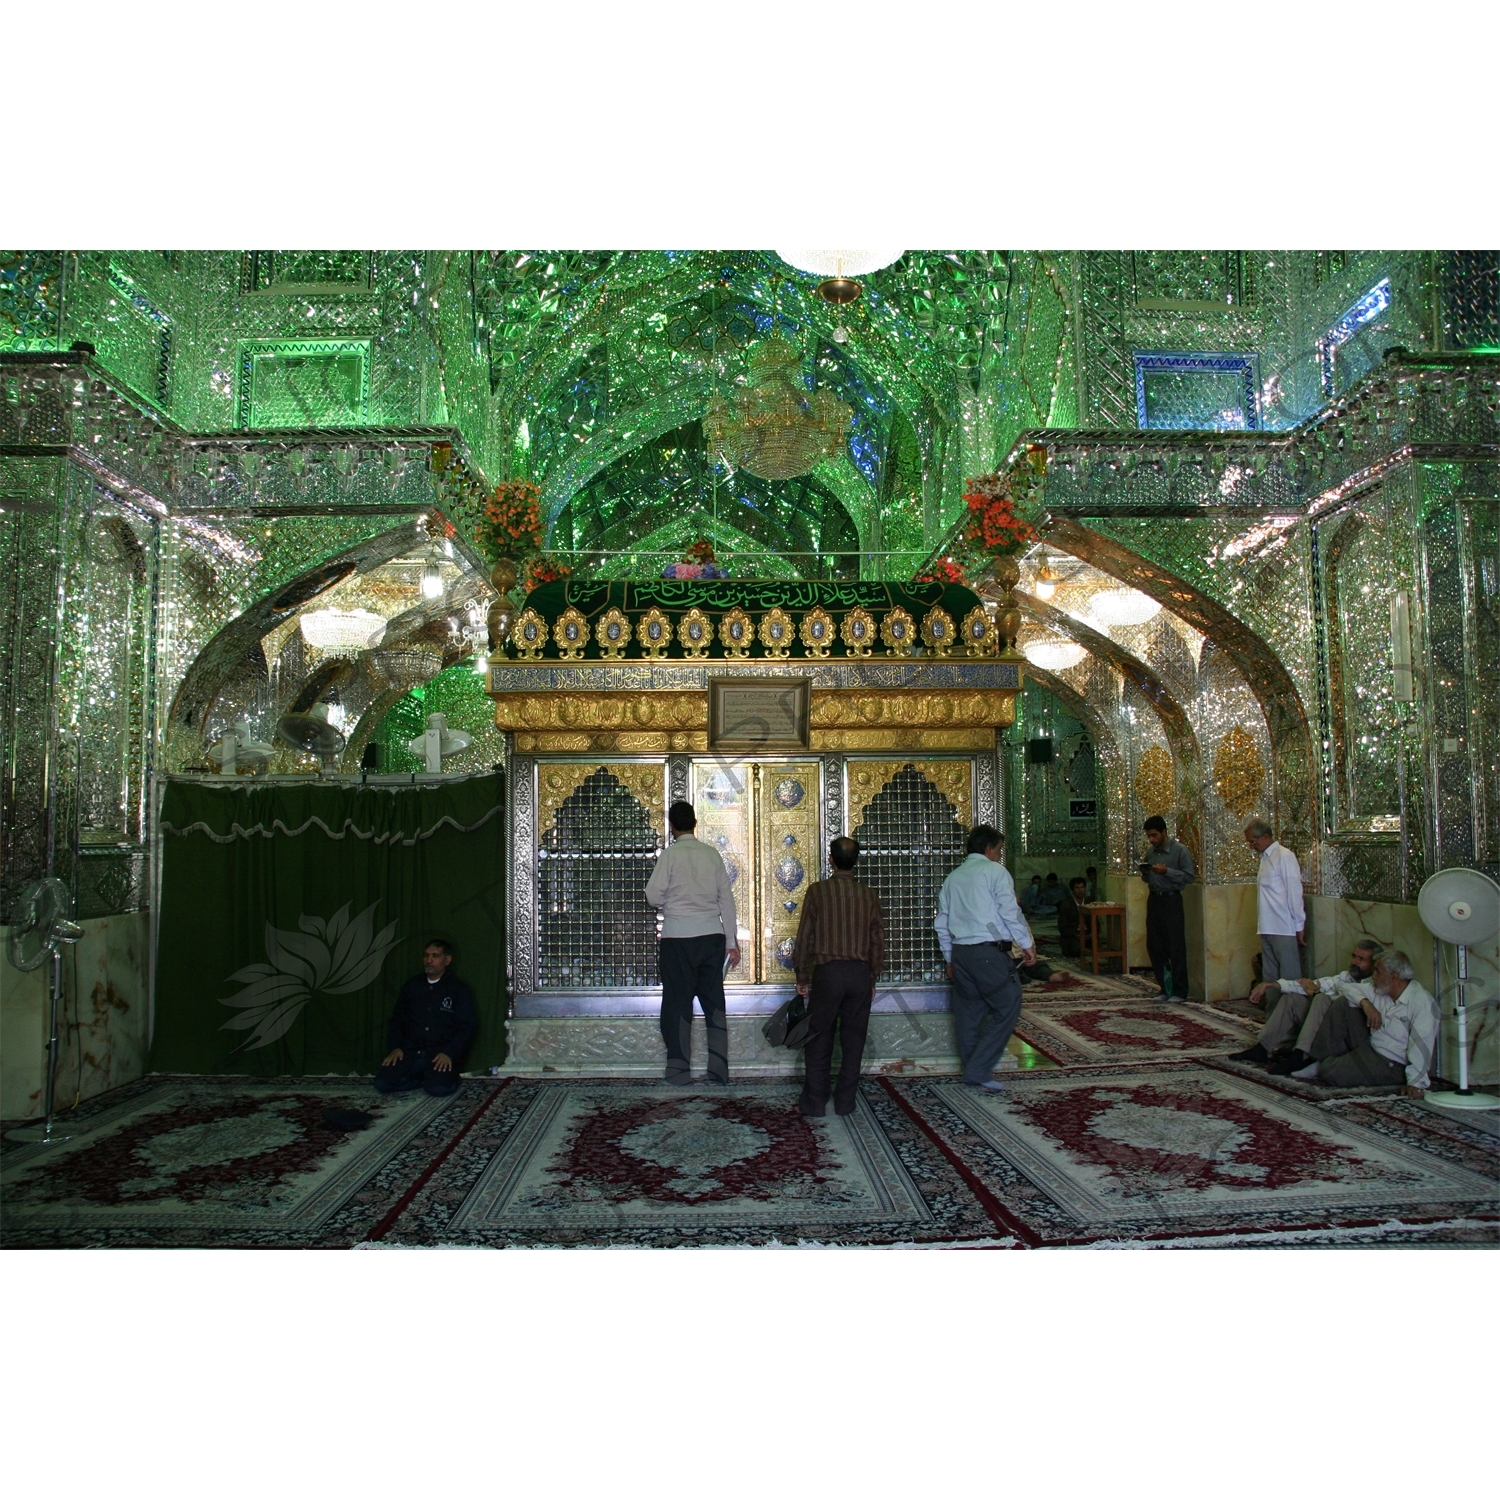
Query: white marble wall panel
[105, 1027]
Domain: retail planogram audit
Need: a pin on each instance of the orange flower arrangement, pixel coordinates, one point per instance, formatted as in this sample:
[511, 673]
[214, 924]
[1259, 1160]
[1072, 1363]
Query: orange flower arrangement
[944, 570]
[544, 570]
[994, 527]
[512, 522]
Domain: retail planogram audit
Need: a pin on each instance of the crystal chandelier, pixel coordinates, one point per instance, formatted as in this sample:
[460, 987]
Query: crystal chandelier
[1053, 655]
[342, 632]
[773, 427]
[1123, 607]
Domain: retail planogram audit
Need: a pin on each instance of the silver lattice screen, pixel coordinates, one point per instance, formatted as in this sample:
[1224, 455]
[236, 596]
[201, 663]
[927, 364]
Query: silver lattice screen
[596, 929]
[909, 838]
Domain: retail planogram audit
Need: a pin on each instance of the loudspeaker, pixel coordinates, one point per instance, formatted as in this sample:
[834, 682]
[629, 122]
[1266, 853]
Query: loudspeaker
[370, 761]
[1039, 752]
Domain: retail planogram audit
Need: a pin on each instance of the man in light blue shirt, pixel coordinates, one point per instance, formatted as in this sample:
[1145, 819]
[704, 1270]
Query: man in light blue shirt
[976, 911]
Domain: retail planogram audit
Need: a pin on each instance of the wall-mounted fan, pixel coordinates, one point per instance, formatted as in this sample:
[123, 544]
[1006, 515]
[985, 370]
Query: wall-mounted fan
[311, 733]
[239, 748]
[1461, 907]
[41, 924]
[439, 742]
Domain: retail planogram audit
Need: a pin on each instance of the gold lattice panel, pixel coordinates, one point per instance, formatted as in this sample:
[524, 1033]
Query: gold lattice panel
[1155, 788]
[953, 778]
[558, 780]
[791, 857]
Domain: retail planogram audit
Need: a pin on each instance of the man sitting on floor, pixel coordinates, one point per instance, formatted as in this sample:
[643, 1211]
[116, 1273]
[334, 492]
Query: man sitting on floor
[430, 1029]
[1389, 1039]
[1299, 1006]
[1030, 895]
[1070, 917]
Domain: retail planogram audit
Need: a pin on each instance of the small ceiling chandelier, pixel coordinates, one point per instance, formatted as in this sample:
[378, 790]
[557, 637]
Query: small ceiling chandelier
[1053, 655]
[772, 426]
[1044, 586]
[839, 268]
[1123, 607]
[342, 632]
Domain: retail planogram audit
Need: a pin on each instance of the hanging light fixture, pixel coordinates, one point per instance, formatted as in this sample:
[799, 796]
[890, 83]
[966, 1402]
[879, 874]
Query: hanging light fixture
[839, 268]
[772, 426]
[1123, 607]
[342, 632]
[1053, 656]
[1045, 584]
[432, 581]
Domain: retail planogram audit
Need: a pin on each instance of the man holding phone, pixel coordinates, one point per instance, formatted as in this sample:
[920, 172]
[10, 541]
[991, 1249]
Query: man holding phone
[1166, 870]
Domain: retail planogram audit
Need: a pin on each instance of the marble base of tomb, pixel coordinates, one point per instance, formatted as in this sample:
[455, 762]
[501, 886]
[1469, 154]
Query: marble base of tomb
[615, 1034]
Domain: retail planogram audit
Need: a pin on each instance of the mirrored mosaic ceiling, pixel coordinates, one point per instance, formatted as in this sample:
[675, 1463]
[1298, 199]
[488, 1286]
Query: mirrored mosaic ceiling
[1234, 438]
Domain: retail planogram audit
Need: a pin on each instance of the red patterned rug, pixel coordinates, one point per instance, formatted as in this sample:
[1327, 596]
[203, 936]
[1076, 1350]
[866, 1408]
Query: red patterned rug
[1069, 982]
[626, 1163]
[1094, 1031]
[220, 1162]
[1179, 1150]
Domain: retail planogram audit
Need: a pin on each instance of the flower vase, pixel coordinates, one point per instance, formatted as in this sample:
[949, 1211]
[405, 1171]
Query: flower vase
[1007, 574]
[502, 612]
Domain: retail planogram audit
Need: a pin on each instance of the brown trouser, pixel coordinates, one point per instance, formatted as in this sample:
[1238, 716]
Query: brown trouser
[841, 992]
[1345, 1058]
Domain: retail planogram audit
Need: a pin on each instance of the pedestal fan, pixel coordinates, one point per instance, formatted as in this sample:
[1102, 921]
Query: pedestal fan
[42, 924]
[1461, 907]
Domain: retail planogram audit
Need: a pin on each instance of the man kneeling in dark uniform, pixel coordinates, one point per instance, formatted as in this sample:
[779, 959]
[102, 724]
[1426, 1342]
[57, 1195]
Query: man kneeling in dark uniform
[430, 1029]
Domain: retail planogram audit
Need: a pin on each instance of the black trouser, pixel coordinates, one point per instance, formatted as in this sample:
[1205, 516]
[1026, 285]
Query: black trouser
[1166, 941]
[841, 993]
[693, 966]
[415, 1071]
[1346, 1059]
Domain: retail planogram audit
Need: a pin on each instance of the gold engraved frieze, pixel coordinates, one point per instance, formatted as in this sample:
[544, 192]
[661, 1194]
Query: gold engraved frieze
[610, 742]
[900, 739]
[869, 708]
[613, 711]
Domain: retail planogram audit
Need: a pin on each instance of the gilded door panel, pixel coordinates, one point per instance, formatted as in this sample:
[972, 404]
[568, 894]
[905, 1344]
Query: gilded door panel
[791, 826]
[723, 798]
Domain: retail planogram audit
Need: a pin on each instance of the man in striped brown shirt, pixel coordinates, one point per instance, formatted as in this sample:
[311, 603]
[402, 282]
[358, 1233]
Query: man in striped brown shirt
[838, 956]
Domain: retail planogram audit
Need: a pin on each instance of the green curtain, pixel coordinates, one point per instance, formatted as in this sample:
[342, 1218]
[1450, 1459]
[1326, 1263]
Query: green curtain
[292, 915]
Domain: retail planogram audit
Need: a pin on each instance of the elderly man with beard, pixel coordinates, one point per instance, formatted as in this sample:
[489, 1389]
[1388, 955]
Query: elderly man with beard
[1299, 1006]
[1388, 1039]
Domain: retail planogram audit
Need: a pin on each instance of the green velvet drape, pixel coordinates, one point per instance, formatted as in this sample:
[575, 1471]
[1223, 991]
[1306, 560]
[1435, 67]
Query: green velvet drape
[291, 915]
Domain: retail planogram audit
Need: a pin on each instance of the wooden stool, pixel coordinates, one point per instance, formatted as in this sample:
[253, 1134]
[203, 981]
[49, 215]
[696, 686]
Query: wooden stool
[1104, 911]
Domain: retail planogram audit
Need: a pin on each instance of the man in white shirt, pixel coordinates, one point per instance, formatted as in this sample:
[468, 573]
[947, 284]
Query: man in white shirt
[1390, 1039]
[1303, 1004]
[1279, 891]
[691, 887]
[976, 912]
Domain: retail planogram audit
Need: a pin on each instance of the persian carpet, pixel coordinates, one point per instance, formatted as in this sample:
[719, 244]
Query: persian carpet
[1071, 983]
[217, 1162]
[574, 1163]
[1174, 1150]
[1095, 1031]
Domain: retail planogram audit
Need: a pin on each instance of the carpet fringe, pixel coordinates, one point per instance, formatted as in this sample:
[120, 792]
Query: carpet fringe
[1290, 1236]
